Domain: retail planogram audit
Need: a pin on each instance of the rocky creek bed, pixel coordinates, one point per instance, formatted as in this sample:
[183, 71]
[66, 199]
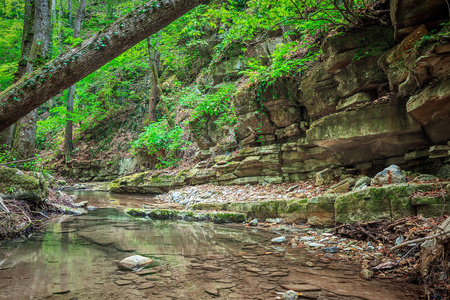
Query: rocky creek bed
[77, 258]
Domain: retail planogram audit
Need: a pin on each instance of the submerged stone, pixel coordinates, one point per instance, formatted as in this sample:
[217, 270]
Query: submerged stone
[279, 240]
[290, 295]
[135, 262]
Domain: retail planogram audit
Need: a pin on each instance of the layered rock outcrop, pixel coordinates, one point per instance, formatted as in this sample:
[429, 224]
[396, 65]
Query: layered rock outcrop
[378, 96]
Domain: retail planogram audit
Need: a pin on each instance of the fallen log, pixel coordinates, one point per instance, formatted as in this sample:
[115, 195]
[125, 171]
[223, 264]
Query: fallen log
[70, 67]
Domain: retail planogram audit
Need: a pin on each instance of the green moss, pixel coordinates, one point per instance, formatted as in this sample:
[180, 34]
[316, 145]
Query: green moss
[296, 205]
[210, 206]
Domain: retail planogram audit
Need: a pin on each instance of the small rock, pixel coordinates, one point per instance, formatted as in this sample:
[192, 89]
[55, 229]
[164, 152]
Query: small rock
[253, 222]
[279, 240]
[147, 285]
[135, 262]
[309, 264]
[399, 240]
[316, 245]
[324, 177]
[331, 249]
[424, 177]
[210, 289]
[123, 282]
[362, 183]
[276, 221]
[389, 175]
[290, 295]
[366, 274]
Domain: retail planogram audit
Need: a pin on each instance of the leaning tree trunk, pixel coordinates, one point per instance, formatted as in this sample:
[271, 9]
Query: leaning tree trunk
[70, 67]
[24, 136]
[68, 143]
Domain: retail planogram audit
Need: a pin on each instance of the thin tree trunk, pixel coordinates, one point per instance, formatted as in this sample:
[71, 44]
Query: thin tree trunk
[68, 142]
[154, 93]
[69, 9]
[72, 66]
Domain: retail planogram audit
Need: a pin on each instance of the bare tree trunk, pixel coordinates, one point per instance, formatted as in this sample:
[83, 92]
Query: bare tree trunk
[69, 10]
[68, 142]
[70, 67]
[154, 93]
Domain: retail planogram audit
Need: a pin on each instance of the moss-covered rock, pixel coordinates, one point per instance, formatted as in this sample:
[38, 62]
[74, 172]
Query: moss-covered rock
[16, 184]
[320, 210]
[387, 202]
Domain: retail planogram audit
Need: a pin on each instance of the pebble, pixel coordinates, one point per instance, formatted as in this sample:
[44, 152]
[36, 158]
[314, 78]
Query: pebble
[331, 249]
[366, 274]
[316, 245]
[290, 295]
[253, 222]
[279, 240]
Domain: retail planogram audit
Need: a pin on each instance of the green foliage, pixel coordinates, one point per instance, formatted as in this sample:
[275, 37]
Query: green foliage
[35, 165]
[162, 141]
[284, 63]
[217, 104]
[10, 41]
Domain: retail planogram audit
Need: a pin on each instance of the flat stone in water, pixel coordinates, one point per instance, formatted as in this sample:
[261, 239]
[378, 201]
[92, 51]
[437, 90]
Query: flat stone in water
[267, 286]
[253, 270]
[279, 274]
[147, 285]
[166, 274]
[290, 295]
[210, 289]
[123, 282]
[279, 240]
[211, 268]
[147, 272]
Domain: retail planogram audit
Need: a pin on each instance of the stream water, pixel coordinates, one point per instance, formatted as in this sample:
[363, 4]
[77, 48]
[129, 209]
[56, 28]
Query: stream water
[75, 257]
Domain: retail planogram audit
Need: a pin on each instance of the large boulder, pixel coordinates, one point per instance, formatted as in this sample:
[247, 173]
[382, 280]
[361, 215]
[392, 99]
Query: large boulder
[431, 108]
[367, 134]
[17, 184]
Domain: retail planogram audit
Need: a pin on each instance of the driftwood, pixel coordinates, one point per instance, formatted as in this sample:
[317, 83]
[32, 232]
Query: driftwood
[3, 207]
[430, 237]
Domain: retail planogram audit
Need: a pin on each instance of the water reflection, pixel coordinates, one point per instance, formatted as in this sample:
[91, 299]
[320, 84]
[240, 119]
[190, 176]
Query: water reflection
[76, 258]
[106, 199]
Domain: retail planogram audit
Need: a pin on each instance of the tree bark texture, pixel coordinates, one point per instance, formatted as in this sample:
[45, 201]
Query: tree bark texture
[153, 55]
[70, 67]
[68, 142]
[24, 135]
[6, 137]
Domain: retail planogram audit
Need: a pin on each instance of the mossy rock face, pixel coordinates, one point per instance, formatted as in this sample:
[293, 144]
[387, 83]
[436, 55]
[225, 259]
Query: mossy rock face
[387, 202]
[320, 210]
[431, 206]
[260, 209]
[16, 184]
[210, 206]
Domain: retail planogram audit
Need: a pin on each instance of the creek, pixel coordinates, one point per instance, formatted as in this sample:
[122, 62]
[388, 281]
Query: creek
[76, 257]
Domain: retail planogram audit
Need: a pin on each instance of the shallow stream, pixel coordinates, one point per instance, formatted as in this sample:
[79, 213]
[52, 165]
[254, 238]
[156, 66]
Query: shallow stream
[76, 257]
